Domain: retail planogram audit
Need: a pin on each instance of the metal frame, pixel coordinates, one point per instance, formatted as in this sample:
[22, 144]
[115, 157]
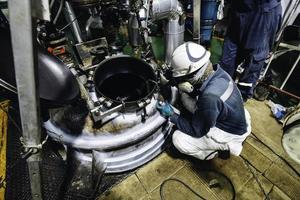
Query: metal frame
[290, 72]
[23, 38]
[71, 17]
[289, 47]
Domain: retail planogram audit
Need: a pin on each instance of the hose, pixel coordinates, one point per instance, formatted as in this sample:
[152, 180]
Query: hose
[59, 11]
[162, 197]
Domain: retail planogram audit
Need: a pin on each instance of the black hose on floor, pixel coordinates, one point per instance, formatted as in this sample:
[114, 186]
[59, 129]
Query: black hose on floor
[162, 197]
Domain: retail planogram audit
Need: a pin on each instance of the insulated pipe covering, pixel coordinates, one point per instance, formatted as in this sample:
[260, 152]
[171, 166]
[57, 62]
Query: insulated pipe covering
[174, 37]
[105, 142]
[174, 30]
[133, 31]
[162, 9]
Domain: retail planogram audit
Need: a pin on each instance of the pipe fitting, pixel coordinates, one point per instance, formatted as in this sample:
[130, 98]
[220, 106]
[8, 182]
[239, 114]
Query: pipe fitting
[164, 9]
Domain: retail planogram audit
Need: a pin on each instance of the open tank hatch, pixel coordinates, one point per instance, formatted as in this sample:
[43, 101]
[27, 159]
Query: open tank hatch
[125, 87]
[124, 79]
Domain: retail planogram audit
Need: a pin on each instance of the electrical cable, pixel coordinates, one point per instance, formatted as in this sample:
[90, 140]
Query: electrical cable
[68, 24]
[256, 178]
[282, 158]
[179, 181]
[162, 197]
[62, 2]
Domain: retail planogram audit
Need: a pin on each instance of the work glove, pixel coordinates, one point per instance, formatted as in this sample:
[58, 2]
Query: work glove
[165, 109]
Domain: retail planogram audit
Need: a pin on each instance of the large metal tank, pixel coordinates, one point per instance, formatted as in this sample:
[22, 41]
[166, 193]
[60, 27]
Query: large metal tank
[125, 139]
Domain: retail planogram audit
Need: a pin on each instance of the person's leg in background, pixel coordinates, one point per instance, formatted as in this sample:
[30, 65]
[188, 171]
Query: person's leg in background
[261, 33]
[252, 67]
[230, 53]
[229, 56]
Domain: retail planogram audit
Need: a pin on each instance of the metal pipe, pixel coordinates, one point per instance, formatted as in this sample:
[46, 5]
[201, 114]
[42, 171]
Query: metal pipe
[162, 9]
[174, 36]
[196, 20]
[133, 30]
[174, 28]
[23, 36]
[71, 17]
[8, 86]
[272, 87]
[290, 72]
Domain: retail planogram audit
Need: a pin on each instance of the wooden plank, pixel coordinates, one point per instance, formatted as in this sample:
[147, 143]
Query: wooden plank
[130, 188]
[283, 165]
[261, 147]
[284, 181]
[251, 189]
[255, 157]
[177, 191]
[267, 129]
[153, 174]
[264, 126]
[270, 155]
[277, 194]
[235, 169]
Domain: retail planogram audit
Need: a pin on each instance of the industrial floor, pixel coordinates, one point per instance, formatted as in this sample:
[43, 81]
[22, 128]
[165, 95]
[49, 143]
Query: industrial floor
[262, 155]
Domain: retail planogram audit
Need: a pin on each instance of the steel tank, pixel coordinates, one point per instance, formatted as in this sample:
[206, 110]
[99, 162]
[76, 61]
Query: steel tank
[291, 135]
[125, 139]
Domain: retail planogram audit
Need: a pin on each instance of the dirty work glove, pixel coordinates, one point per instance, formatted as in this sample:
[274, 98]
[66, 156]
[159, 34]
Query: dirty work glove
[164, 109]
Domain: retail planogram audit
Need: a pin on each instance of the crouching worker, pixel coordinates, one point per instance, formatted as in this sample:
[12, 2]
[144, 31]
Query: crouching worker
[217, 123]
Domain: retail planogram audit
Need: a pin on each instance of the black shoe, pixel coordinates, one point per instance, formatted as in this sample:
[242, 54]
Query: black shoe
[224, 154]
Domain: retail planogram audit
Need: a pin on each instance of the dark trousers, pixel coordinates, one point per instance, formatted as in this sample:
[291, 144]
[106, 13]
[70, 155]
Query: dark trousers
[249, 39]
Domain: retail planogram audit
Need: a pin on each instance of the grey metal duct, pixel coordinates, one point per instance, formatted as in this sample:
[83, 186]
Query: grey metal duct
[133, 31]
[174, 36]
[171, 10]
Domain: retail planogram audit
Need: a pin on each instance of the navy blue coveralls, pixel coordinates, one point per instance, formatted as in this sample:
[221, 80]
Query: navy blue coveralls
[219, 104]
[250, 37]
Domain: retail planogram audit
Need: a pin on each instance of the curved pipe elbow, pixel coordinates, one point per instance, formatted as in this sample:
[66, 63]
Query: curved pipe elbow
[164, 9]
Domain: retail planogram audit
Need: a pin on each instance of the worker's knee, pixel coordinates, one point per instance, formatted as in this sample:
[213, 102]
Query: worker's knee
[177, 139]
[180, 142]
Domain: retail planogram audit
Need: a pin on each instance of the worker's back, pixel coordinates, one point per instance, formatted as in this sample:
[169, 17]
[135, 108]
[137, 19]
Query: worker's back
[231, 117]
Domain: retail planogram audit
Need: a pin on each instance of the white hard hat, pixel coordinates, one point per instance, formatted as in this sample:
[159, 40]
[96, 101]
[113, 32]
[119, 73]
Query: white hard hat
[188, 58]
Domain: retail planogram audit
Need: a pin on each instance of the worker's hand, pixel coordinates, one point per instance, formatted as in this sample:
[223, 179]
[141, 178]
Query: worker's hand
[164, 109]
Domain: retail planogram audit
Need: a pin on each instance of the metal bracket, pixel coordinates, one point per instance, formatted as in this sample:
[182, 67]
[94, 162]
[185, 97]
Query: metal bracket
[33, 148]
[98, 115]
